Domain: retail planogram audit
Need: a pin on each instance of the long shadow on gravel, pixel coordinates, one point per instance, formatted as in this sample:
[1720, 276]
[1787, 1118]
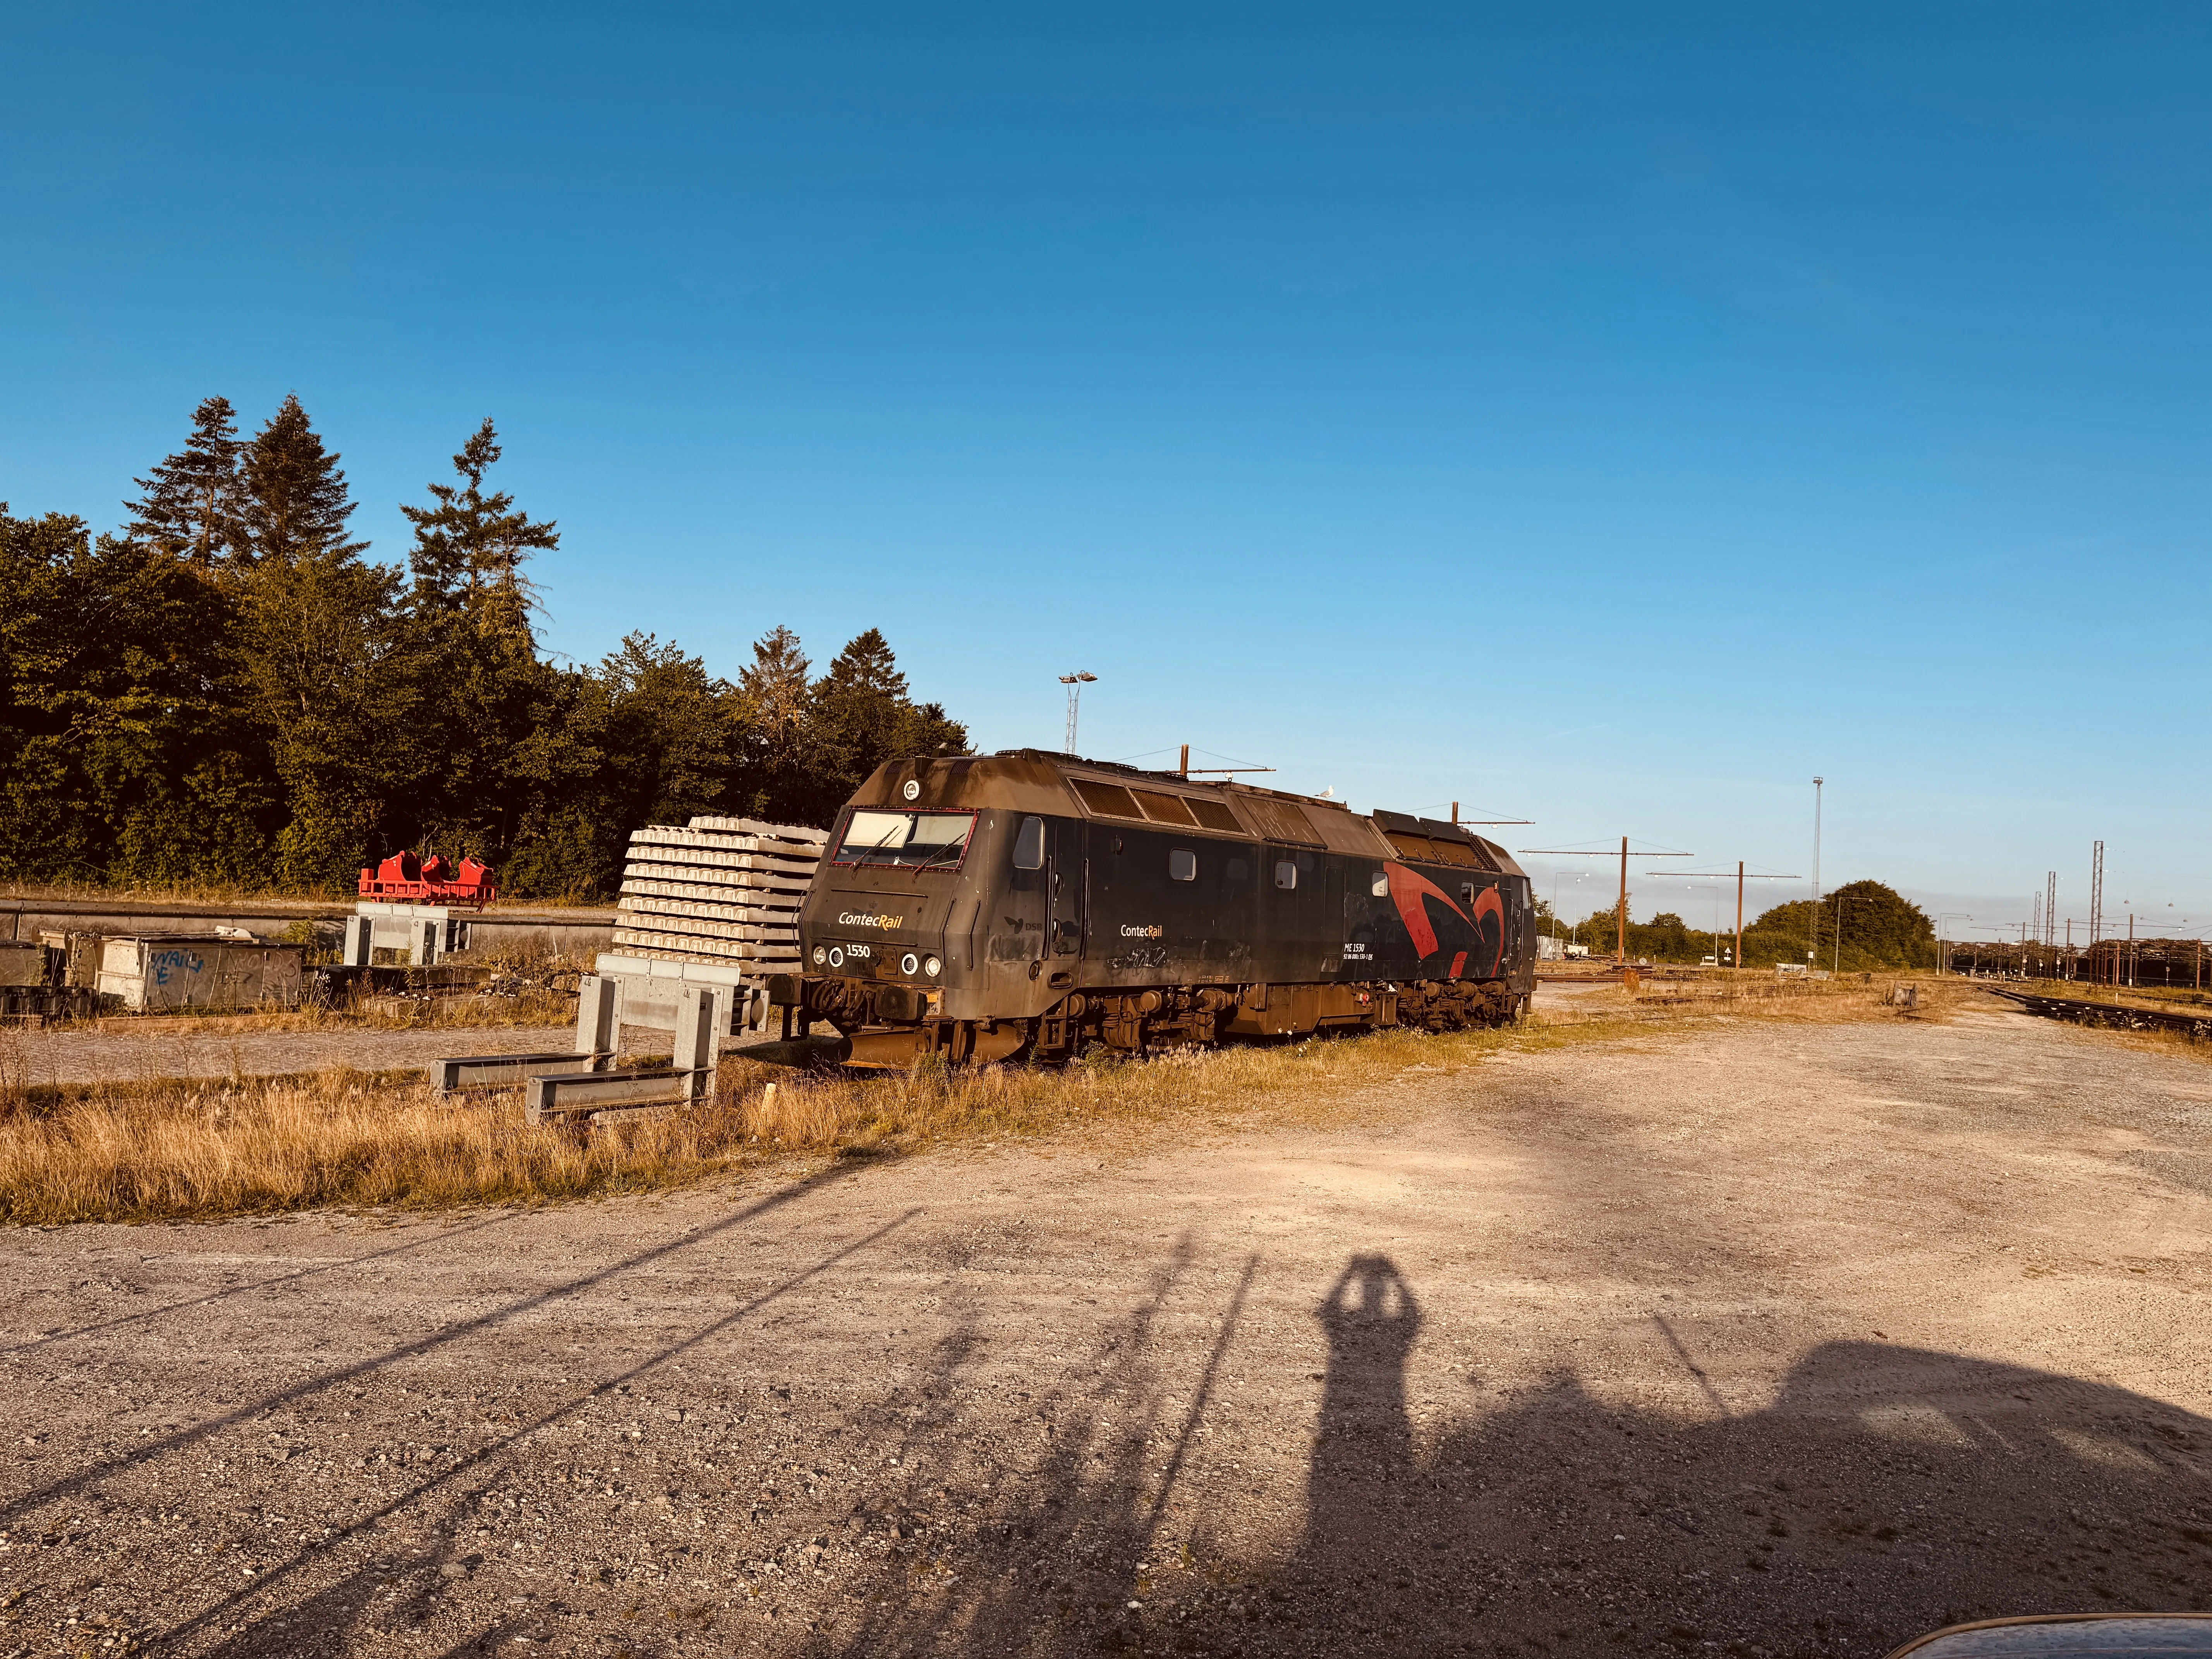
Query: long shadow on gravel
[445, 1496]
[252, 1610]
[1886, 1492]
[89, 1476]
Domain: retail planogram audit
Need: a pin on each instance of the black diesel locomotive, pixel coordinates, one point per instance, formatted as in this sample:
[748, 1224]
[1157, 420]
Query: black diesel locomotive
[1031, 904]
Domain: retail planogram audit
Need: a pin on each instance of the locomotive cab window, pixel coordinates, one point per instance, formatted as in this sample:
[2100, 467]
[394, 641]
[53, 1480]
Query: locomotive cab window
[1466, 894]
[1286, 873]
[911, 841]
[1029, 845]
[1182, 864]
[1379, 885]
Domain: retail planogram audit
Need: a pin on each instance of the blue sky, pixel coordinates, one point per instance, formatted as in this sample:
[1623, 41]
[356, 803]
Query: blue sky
[1613, 421]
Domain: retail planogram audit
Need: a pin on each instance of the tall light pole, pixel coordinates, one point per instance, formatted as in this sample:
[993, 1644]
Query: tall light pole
[1074, 683]
[1816, 839]
[1575, 931]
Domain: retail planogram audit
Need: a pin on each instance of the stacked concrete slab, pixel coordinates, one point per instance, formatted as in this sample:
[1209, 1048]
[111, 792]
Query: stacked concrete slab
[718, 890]
[714, 904]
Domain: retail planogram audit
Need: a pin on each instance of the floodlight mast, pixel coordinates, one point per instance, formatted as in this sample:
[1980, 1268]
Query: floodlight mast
[1074, 683]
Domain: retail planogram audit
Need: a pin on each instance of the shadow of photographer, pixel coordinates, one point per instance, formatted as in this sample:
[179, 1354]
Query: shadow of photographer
[1883, 1491]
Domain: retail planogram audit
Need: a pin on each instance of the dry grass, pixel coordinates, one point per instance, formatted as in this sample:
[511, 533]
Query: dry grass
[170, 1150]
[535, 1005]
[1855, 997]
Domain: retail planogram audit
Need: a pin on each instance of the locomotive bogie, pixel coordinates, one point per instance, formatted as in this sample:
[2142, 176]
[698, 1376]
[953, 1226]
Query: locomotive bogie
[1034, 904]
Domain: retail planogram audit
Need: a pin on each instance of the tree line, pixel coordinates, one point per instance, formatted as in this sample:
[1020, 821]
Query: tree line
[1879, 928]
[228, 691]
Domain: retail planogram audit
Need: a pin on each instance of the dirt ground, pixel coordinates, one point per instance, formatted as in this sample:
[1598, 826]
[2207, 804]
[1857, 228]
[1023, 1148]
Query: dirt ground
[1757, 1338]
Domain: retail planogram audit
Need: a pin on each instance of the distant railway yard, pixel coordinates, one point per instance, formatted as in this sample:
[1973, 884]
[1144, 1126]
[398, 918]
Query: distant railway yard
[1768, 1328]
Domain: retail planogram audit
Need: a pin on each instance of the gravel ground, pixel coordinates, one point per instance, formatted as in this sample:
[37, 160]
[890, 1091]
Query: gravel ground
[1763, 1339]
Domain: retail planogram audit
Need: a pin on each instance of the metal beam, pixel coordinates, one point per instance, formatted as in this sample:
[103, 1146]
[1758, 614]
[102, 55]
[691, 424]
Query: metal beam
[462, 1071]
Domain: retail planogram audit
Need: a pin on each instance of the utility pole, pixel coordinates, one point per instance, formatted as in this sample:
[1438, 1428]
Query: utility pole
[1621, 913]
[1074, 683]
[1621, 920]
[2050, 908]
[1814, 943]
[2096, 900]
[1741, 878]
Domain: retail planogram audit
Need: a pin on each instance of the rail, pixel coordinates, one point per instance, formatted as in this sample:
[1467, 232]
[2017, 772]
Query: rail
[2117, 1017]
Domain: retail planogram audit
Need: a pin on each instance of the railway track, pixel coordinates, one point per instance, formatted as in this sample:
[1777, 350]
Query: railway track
[2114, 1017]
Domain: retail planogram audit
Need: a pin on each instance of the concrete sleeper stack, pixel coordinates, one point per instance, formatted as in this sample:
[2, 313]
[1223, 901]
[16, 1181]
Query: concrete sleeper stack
[724, 890]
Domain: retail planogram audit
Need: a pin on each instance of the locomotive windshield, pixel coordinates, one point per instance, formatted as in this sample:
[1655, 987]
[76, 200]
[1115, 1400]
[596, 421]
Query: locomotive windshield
[910, 840]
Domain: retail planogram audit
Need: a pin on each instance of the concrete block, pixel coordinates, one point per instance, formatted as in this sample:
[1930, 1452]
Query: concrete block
[598, 1013]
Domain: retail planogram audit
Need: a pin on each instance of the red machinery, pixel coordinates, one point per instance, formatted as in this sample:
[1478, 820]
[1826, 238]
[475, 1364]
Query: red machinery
[402, 879]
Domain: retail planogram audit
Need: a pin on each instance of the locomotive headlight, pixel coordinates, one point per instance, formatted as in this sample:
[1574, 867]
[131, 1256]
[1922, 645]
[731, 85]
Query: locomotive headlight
[820, 955]
[932, 966]
[907, 964]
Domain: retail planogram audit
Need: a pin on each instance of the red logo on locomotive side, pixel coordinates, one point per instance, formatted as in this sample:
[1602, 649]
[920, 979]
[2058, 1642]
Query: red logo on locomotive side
[1410, 891]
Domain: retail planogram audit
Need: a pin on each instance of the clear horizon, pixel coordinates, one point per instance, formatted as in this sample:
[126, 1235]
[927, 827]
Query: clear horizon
[1612, 423]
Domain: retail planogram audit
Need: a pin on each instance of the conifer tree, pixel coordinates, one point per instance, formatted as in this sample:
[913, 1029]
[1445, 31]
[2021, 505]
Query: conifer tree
[775, 684]
[192, 506]
[333, 685]
[470, 545]
[776, 701]
[295, 495]
[468, 639]
[859, 717]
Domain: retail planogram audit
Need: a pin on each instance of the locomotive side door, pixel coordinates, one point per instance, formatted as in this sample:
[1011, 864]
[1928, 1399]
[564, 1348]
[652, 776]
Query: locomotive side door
[1067, 882]
[1012, 922]
[1335, 919]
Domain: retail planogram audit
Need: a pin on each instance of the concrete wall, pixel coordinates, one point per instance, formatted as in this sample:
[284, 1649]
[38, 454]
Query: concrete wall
[161, 975]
